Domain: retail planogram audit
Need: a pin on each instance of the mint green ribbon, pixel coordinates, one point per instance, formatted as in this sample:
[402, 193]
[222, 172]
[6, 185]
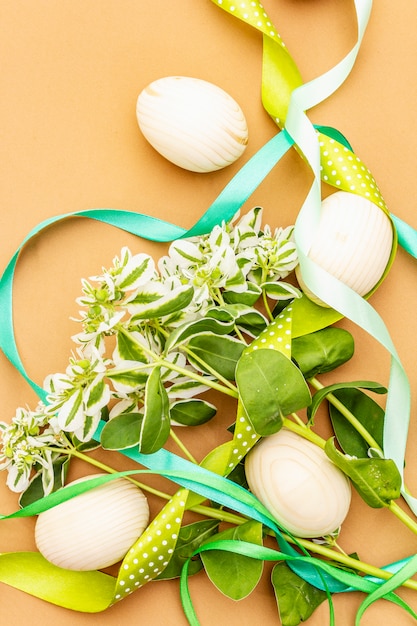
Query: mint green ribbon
[95, 591]
[286, 99]
[375, 591]
[229, 201]
[287, 107]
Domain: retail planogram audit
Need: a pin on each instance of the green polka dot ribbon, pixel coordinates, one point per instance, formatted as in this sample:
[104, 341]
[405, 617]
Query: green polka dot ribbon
[149, 556]
[224, 458]
[287, 99]
[94, 591]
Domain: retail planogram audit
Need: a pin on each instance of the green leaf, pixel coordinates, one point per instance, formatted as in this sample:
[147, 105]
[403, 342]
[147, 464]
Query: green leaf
[322, 351]
[245, 317]
[121, 432]
[192, 412]
[307, 317]
[35, 490]
[136, 273]
[225, 313]
[322, 394]
[186, 388]
[252, 322]
[190, 539]
[297, 599]
[235, 575]
[281, 291]
[96, 393]
[248, 297]
[86, 446]
[190, 329]
[174, 301]
[270, 387]
[377, 481]
[220, 353]
[130, 378]
[129, 349]
[218, 458]
[156, 424]
[368, 412]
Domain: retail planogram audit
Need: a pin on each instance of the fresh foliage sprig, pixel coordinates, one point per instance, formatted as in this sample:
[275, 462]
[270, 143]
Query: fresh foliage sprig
[155, 338]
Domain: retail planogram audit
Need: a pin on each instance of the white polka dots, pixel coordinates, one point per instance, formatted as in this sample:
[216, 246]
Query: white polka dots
[274, 337]
[141, 566]
[347, 172]
[253, 13]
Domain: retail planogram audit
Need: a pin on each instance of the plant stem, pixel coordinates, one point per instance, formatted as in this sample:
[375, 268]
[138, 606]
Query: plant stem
[298, 419]
[304, 431]
[393, 507]
[182, 447]
[307, 433]
[360, 428]
[205, 365]
[110, 470]
[209, 369]
[233, 518]
[176, 368]
[339, 557]
[403, 516]
[267, 307]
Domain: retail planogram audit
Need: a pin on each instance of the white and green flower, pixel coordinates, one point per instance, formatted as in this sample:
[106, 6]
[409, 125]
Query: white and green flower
[77, 397]
[28, 443]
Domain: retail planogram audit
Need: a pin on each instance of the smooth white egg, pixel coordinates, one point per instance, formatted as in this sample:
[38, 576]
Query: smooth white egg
[95, 529]
[192, 123]
[295, 480]
[353, 242]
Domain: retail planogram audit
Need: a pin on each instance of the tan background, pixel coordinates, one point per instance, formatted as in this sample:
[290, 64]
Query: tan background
[70, 74]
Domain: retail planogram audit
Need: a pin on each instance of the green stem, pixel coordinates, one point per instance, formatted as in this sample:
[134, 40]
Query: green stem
[307, 433]
[267, 307]
[232, 518]
[109, 470]
[328, 553]
[182, 447]
[402, 516]
[176, 368]
[205, 365]
[297, 419]
[209, 369]
[304, 431]
[360, 428]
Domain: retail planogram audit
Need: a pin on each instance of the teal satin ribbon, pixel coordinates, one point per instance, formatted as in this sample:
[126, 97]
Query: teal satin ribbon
[298, 129]
[229, 201]
[231, 496]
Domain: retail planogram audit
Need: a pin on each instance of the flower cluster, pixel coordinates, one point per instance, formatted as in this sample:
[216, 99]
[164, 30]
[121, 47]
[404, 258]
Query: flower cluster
[27, 443]
[147, 328]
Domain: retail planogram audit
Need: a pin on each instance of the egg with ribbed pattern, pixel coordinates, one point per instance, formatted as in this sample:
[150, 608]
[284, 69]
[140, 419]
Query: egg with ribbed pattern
[192, 123]
[95, 529]
[353, 242]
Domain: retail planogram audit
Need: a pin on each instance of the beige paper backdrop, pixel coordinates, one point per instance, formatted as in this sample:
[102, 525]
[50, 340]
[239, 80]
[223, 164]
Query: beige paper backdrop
[70, 72]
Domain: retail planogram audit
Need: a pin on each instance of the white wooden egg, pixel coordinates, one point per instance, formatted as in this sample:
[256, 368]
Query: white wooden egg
[95, 529]
[353, 242]
[298, 484]
[192, 123]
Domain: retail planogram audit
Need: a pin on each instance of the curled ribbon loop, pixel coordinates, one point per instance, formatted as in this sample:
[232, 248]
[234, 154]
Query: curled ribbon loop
[286, 99]
[339, 166]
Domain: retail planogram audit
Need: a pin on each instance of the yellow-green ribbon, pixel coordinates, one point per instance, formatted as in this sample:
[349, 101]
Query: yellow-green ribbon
[287, 99]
